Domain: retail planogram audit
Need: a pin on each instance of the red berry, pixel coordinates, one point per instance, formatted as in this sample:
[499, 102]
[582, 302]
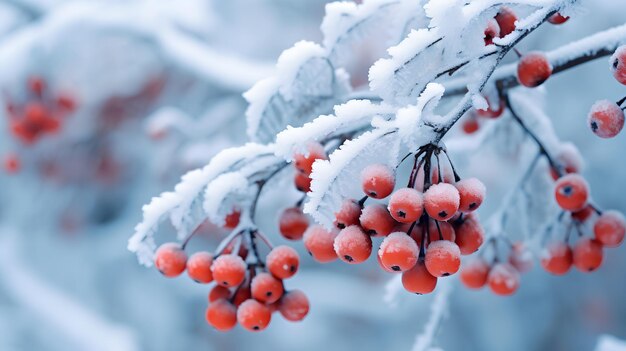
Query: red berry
[618, 64]
[352, 245]
[302, 182]
[222, 315]
[66, 102]
[304, 163]
[283, 262]
[418, 280]
[569, 158]
[12, 163]
[398, 252]
[242, 294]
[37, 85]
[377, 181]
[376, 220]
[469, 235]
[492, 31]
[294, 306]
[470, 125]
[506, 20]
[319, 242]
[503, 279]
[253, 315]
[447, 231]
[228, 270]
[584, 214]
[293, 223]
[556, 258]
[472, 194]
[232, 219]
[490, 112]
[218, 292]
[557, 18]
[533, 69]
[572, 192]
[443, 258]
[587, 255]
[441, 201]
[170, 259]
[520, 257]
[265, 288]
[199, 267]
[610, 228]
[406, 205]
[348, 214]
[474, 273]
[606, 119]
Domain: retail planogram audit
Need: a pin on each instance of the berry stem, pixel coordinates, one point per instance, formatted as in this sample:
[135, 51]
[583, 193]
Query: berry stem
[457, 177]
[621, 102]
[226, 241]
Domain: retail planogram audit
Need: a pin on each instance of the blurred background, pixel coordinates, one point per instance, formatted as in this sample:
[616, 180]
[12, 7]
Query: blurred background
[126, 96]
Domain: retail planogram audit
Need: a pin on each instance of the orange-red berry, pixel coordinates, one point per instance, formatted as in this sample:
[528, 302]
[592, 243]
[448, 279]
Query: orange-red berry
[293, 223]
[228, 270]
[253, 315]
[474, 273]
[377, 181]
[352, 245]
[348, 214]
[533, 69]
[441, 201]
[376, 220]
[294, 305]
[606, 119]
[406, 205]
[199, 267]
[418, 280]
[503, 279]
[610, 228]
[520, 257]
[232, 219]
[492, 31]
[304, 162]
[472, 194]
[398, 252]
[557, 18]
[618, 64]
[469, 235]
[572, 192]
[221, 315]
[319, 242]
[443, 258]
[506, 21]
[218, 292]
[302, 182]
[587, 255]
[556, 258]
[266, 288]
[283, 262]
[170, 259]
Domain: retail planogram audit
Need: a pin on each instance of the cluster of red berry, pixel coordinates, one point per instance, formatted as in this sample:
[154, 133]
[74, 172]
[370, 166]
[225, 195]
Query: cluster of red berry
[606, 118]
[247, 289]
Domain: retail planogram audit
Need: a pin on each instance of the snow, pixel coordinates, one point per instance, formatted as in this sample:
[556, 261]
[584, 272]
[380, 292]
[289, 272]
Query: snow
[398, 242]
[610, 343]
[218, 202]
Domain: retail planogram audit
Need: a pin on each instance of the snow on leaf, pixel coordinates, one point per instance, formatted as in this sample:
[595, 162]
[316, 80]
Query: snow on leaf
[218, 195]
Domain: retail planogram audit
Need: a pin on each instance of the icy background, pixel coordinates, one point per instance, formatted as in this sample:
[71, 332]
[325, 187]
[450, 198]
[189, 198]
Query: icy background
[67, 281]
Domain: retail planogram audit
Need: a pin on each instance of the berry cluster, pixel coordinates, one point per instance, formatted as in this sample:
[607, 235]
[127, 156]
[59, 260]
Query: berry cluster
[247, 289]
[42, 114]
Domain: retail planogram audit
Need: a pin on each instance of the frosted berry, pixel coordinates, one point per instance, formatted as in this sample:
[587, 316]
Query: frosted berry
[533, 69]
[352, 245]
[572, 192]
[199, 267]
[584, 214]
[302, 182]
[265, 288]
[443, 258]
[304, 163]
[293, 223]
[221, 315]
[170, 259]
[406, 205]
[606, 119]
[294, 306]
[610, 228]
[470, 125]
[557, 18]
[469, 235]
[377, 181]
[556, 258]
[520, 257]
[376, 220]
[348, 214]
[232, 219]
[441, 201]
[618, 64]
[472, 194]
[569, 159]
[242, 294]
[228, 270]
[587, 255]
[503, 279]
[506, 21]
[474, 273]
[398, 252]
[447, 231]
[492, 31]
[218, 292]
[418, 280]
[283, 262]
[253, 315]
[319, 242]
